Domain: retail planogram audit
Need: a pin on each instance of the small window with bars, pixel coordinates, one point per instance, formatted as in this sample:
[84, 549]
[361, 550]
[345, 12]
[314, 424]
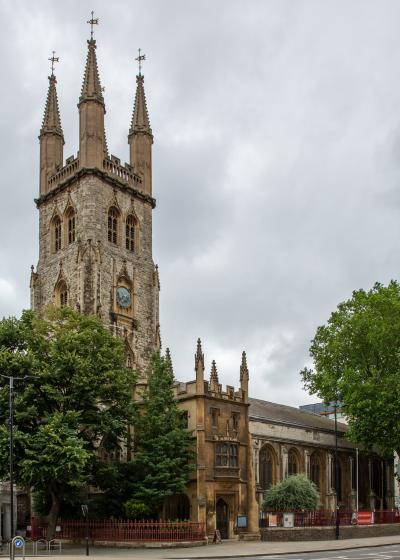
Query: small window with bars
[71, 226]
[57, 234]
[226, 455]
[130, 233]
[113, 215]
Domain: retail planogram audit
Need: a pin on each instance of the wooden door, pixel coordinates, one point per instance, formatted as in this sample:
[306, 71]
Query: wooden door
[223, 518]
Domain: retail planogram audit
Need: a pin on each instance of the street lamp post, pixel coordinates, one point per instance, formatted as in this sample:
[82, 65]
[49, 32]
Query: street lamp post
[11, 443]
[337, 528]
[85, 512]
[11, 379]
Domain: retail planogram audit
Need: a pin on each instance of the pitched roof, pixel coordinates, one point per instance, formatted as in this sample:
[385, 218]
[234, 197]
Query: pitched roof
[281, 413]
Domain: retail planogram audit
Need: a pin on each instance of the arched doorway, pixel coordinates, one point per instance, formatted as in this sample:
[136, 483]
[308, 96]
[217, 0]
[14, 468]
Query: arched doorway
[223, 518]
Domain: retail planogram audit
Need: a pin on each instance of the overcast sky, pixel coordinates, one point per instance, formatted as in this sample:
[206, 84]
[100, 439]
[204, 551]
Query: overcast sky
[276, 160]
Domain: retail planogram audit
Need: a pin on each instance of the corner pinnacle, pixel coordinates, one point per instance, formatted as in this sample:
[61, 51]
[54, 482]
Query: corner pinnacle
[199, 356]
[140, 116]
[214, 373]
[244, 371]
[51, 118]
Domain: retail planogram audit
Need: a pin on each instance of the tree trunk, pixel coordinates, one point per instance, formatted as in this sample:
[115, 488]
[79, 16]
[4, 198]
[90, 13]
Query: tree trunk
[53, 515]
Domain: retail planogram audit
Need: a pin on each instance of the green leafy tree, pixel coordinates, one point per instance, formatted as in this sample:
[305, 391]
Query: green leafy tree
[78, 396]
[163, 445]
[116, 480]
[357, 361]
[295, 493]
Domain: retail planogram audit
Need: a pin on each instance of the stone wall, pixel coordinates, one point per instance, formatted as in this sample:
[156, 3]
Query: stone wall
[92, 266]
[328, 533]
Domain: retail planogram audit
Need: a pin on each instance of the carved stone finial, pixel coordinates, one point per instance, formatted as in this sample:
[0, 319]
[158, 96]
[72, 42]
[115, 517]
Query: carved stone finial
[199, 356]
[214, 373]
[244, 371]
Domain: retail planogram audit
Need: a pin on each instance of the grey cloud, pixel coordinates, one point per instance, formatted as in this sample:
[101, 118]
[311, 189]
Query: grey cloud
[276, 161]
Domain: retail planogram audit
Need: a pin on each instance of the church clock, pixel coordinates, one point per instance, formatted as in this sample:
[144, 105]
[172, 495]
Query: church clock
[124, 297]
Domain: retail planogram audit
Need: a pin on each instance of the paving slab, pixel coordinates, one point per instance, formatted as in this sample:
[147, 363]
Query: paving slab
[227, 549]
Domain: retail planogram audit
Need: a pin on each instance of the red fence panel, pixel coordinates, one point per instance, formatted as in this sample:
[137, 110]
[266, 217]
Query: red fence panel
[125, 531]
[327, 518]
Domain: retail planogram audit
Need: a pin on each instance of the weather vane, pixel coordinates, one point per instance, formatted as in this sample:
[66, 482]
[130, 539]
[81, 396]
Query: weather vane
[93, 21]
[139, 59]
[53, 59]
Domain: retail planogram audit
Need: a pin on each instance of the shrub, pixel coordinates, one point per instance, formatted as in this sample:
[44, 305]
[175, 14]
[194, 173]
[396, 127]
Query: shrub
[295, 493]
[136, 510]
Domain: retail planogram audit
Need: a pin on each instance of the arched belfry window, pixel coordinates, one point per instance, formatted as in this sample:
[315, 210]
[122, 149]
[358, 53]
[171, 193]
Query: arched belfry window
[56, 234]
[71, 225]
[113, 216]
[293, 463]
[266, 466]
[130, 233]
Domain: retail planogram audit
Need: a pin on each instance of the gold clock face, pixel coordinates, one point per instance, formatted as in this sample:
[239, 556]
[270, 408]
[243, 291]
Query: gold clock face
[124, 297]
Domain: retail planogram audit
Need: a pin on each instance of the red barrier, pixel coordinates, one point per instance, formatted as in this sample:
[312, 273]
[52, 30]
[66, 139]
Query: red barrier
[365, 518]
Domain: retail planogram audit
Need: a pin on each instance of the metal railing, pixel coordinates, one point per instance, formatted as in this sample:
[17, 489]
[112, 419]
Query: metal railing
[123, 531]
[327, 518]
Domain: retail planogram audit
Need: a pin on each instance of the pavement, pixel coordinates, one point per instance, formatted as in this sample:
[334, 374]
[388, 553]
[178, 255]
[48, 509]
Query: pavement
[227, 549]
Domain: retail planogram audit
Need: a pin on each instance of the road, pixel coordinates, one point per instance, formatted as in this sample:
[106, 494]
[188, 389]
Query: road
[372, 553]
[381, 548]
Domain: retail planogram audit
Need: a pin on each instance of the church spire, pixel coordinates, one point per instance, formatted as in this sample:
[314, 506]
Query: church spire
[51, 134]
[91, 86]
[92, 138]
[140, 116]
[140, 137]
[51, 118]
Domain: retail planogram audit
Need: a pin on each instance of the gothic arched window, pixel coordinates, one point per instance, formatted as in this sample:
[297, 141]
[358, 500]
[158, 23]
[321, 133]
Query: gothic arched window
[113, 216]
[293, 464]
[56, 234]
[71, 223]
[130, 233]
[339, 476]
[266, 467]
[315, 470]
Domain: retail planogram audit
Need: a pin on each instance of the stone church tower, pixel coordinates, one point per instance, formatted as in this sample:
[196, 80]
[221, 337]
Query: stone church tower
[95, 232]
